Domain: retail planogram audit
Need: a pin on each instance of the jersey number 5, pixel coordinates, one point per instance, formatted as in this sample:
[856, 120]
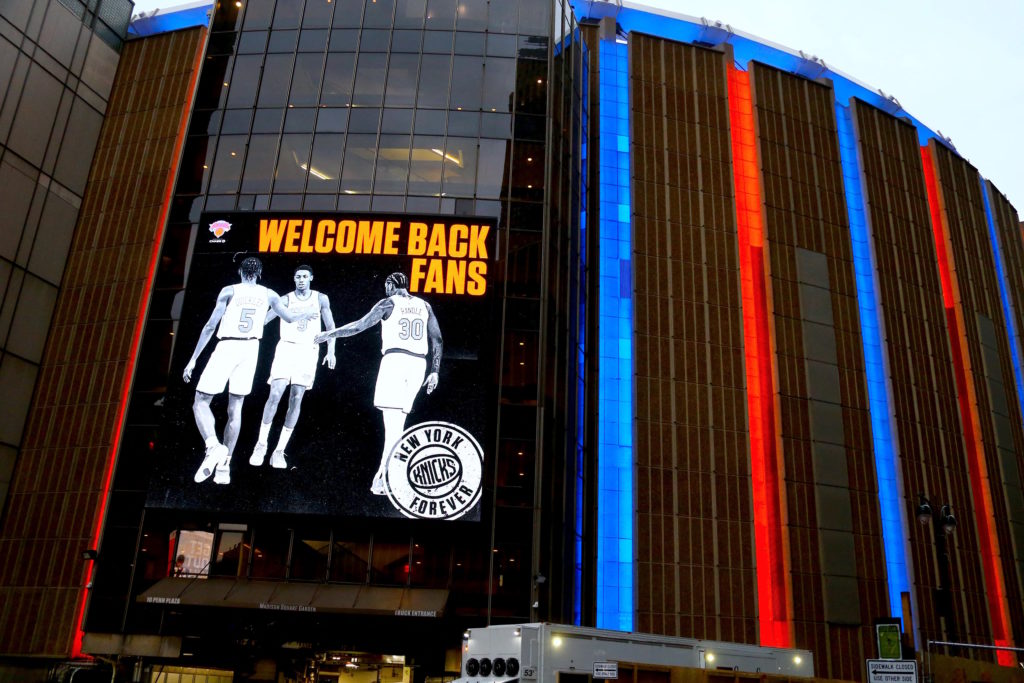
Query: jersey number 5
[245, 319]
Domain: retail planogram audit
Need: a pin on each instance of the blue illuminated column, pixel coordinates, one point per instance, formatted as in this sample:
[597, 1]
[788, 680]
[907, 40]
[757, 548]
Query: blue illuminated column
[882, 431]
[1004, 295]
[615, 344]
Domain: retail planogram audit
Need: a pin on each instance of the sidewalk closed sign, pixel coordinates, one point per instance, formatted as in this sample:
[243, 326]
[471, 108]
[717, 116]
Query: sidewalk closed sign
[892, 671]
[606, 670]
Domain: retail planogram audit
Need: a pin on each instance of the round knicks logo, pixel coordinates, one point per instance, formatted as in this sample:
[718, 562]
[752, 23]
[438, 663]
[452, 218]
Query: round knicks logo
[435, 471]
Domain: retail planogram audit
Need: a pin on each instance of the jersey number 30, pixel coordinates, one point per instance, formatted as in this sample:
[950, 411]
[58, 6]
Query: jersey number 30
[410, 329]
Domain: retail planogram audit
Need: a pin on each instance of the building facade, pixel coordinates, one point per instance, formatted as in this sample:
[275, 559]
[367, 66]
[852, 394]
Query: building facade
[746, 324]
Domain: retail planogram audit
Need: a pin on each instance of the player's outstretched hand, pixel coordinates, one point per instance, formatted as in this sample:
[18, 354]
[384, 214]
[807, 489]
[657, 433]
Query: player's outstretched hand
[431, 382]
[187, 375]
[329, 361]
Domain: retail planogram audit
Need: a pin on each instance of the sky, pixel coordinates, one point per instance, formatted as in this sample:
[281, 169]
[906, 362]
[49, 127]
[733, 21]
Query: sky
[957, 67]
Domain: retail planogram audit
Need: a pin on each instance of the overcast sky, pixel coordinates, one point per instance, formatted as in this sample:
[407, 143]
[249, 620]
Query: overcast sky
[956, 66]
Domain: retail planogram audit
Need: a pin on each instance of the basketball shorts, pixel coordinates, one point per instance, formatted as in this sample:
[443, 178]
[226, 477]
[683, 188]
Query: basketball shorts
[233, 363]
[399, 380]
[295, 363]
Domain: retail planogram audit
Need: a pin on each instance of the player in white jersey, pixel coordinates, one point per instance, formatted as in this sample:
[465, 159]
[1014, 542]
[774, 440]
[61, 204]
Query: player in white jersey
[238, 321]
[295, 360]
[409, 333]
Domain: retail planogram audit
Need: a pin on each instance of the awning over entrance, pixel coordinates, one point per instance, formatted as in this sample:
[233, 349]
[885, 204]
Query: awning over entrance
[297, 597]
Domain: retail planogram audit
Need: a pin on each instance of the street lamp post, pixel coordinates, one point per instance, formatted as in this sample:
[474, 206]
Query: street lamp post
[943, 524]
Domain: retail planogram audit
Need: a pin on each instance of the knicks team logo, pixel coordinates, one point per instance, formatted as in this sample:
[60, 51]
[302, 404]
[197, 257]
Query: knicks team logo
[218, 228]
[435, 471]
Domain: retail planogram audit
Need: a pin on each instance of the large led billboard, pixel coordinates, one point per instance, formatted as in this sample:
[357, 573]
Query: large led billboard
[333, 364]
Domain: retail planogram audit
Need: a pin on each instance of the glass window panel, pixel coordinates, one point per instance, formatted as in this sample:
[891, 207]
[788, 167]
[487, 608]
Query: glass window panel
[286, 202]
[396, 120]
[258, 14]
[232, 555]
[498, 84]
[434, 77]
[227, 166]
[389, 203]
[332, 120]
[459, 167]
[421, 204]
[348, 14]
[349, 560]
[318, 13]
[534, 17]
[439, 42]
[212, 91]
[390, 560]
[267, 120]
[492, 168]
[370, 76]
[374, 40]
[354, 202]
[319, 202]
[401, 83]
[270, 553]
[283, 41]
[338, 79]
[464, 123]
[495, 125]
[35, 302]
[193, 553]
[309, 550]
[406, 41]
[467, 73]
[306, 79]
[344, 40]
[533, 47]
[469, 43]
[237, 121]
[441, 14]
[244, 80]
[392, 164]
[502, 17]
[288, 14]
[313, 40]
[205, 122]
[472, 15]
[195, 166]
[430, 122]
[528, 171]
[378, 13]
[363, 120]
[259, 164]
[16, 190]
[425, 165]
[252, 42]
[501, 45]
[431, 564]
[410, 13]
[299, 120]
[276, 72]
[17, 379]
[325, 164]
[358, 169]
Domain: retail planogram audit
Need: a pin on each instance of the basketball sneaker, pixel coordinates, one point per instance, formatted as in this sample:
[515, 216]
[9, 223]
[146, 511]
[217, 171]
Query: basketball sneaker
[214, 455]
[222, 475]
[277, 460]
[377, 487]
[256, 459]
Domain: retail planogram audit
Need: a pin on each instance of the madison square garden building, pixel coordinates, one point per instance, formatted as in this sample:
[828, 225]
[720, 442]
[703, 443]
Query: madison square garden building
[640, 323]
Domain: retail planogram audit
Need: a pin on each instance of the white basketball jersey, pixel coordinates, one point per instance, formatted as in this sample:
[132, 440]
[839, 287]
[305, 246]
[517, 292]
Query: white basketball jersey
[303, 331]
[246, 312]
[406, 327]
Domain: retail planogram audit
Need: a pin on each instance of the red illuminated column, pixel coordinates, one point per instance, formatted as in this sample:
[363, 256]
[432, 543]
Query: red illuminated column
[773, 586]
[984, 512]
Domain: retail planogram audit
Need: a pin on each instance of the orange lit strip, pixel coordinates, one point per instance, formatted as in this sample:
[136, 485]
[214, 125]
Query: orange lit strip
[772, 585]
[977, 468]
[101, 512]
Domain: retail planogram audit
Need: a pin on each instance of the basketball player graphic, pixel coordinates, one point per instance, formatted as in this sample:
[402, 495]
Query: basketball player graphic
[237, 319]
[409, 333]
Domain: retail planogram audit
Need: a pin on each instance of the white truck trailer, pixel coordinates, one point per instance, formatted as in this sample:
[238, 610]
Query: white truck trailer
[549, 653]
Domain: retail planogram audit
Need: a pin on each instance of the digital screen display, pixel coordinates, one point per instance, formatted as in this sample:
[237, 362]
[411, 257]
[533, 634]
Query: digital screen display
[334, 364]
